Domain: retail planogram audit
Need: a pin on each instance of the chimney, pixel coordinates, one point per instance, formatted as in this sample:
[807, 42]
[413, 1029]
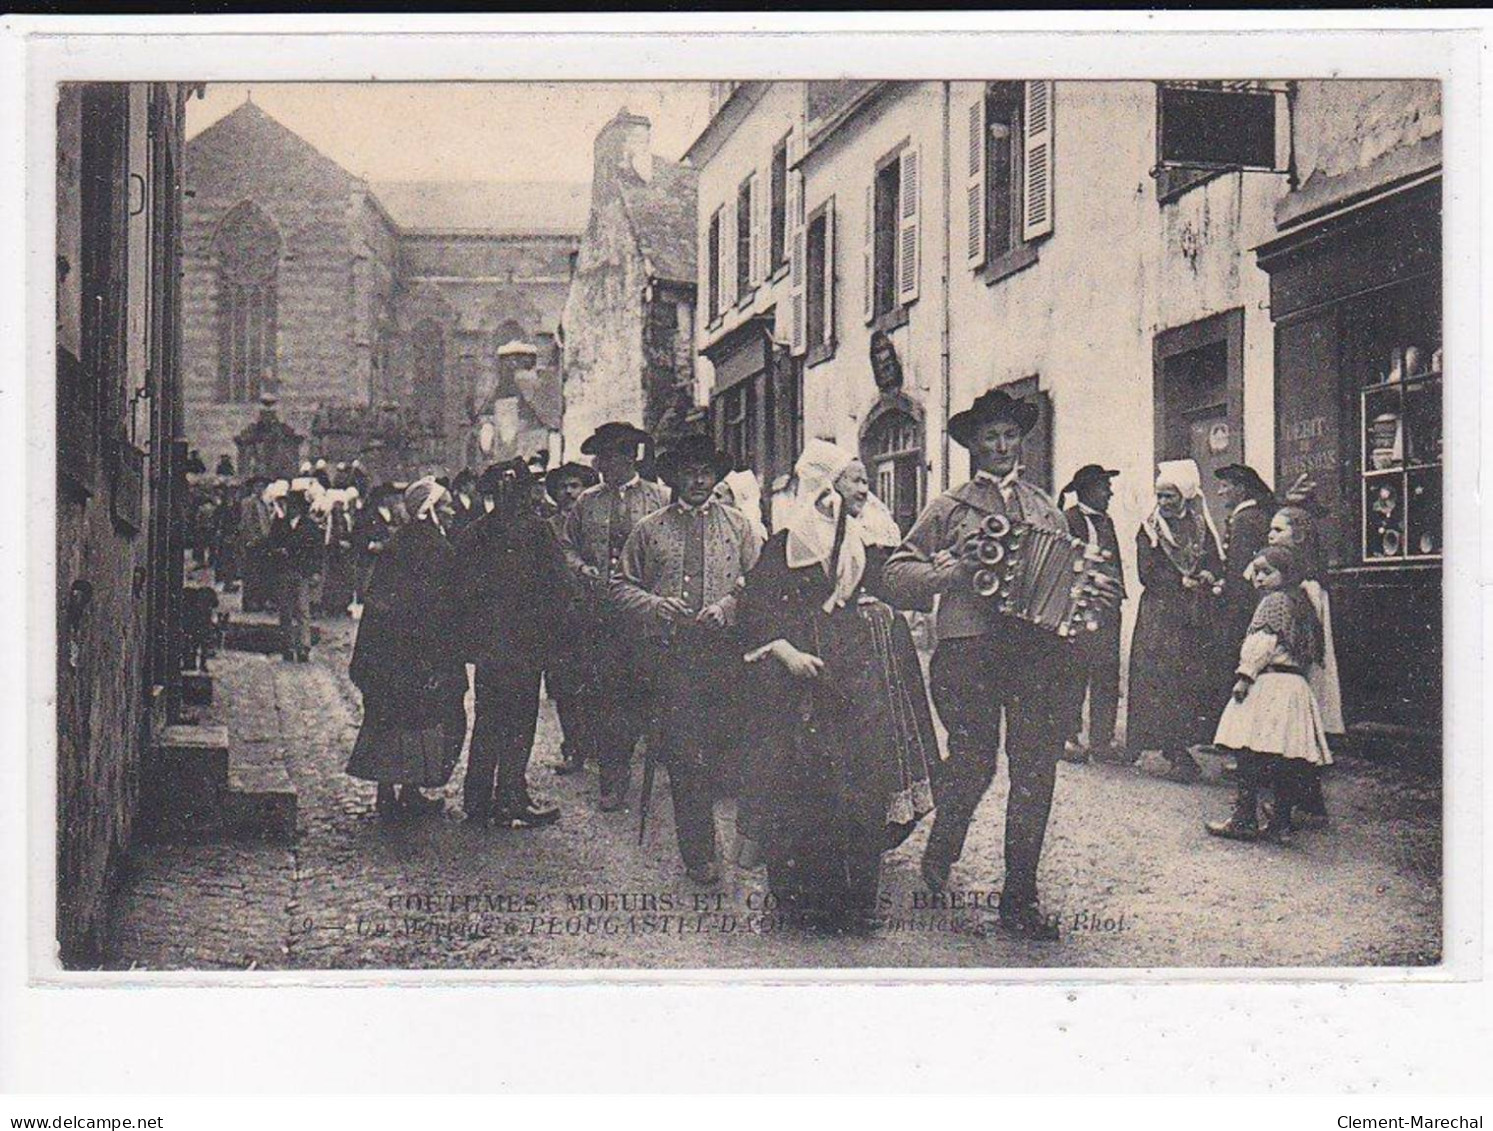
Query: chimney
[622, 148]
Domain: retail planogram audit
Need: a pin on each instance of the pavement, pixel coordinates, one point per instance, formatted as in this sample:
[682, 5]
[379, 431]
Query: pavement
[1127, 870]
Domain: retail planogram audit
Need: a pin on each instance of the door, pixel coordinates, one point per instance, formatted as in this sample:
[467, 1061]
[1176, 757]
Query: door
[1199, 375]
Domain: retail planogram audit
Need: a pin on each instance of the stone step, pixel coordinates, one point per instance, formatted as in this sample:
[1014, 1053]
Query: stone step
[204, 788]
[261, 799]
[186, 783]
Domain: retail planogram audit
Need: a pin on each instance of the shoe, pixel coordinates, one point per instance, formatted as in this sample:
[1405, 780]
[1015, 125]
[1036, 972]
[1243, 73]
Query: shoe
[1029, 923]
[529, 815]
[417, 804]
[1304, 819]
[612, 801]
[1235, 828]
[706, 874]
[386, 803]
[935, 874]
[1073, 752]
[1183, 768]
[1278, 829]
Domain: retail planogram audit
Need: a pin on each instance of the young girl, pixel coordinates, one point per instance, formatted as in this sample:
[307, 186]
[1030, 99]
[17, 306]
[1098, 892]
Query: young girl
[1294, 526]
[1273, 722]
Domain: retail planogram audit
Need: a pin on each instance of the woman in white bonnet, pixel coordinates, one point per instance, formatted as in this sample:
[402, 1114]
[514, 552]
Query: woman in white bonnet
[838, 768]
[1173, 700]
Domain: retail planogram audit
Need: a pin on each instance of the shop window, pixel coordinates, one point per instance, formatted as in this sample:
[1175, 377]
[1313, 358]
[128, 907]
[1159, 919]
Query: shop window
[892, 449]
[247, 248]
[738, 408]
[1392, 351]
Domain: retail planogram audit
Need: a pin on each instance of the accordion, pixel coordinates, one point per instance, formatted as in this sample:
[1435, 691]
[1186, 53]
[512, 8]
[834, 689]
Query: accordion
[1041, 576]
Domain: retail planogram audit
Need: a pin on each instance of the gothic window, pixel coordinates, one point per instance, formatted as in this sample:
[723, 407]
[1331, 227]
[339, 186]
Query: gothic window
[247, 249]
[429, 350]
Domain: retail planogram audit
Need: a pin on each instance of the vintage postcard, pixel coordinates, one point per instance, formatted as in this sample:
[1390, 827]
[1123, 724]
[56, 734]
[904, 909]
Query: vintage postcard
[940, 524]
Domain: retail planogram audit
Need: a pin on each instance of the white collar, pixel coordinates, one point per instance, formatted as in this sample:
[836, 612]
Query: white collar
[630, 483]
[1086, 509]
[685, 508]
[1005, 482]
[1244, 506]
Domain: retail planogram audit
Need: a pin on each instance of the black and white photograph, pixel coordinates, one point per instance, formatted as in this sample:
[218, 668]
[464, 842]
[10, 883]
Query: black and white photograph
[762, 524]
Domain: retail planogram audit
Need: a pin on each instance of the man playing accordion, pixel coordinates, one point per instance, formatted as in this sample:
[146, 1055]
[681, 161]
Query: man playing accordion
[987, 662]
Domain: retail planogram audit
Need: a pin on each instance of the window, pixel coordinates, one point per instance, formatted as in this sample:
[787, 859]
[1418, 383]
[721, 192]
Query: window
[247, 248]
[713, 265]
[744, 232]
[778, 235]
[739, 409]
[428, 348]
[892, 450]
[819, 284]
[890, 253]
[1009, 190]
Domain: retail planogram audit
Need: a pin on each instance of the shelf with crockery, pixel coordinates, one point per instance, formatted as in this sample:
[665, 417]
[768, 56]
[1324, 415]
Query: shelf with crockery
[1400, 460]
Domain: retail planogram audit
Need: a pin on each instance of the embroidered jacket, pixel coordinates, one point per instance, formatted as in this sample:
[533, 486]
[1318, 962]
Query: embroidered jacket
[593, 538]
[699, 555]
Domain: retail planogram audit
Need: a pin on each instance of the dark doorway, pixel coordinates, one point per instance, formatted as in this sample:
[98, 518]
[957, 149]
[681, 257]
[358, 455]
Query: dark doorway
[1199, 371]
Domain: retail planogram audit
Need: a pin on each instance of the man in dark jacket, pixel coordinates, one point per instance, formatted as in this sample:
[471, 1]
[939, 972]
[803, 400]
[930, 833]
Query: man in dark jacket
[1096, 655]
[569, 671]
[1249, 504]
[296, 547]
[507, 594]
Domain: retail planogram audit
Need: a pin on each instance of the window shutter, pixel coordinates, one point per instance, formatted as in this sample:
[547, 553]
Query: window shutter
[829, 272]
[1037, 165]
[754, 236]
[975, 183]
[728, 256]
[797, 258]
[868, 254]
[907, 233]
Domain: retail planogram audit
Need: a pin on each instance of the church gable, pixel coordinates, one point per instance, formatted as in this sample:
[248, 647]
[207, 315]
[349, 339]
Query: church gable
[249, 154]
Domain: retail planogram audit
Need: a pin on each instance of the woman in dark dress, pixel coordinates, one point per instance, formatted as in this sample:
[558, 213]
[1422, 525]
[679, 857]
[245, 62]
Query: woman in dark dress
[1174, 699]
[414, 717]
[838, 769]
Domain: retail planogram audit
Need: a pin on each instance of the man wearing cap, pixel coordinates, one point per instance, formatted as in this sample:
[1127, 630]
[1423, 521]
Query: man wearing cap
[505, 596]
[595, 532]
[1096, 655]
[986, 663]
[567, 666]
[682, 568]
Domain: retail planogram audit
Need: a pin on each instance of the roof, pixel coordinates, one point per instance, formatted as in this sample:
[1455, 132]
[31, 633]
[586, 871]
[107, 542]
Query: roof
[662, 213]
[537, 208]
[215, 154]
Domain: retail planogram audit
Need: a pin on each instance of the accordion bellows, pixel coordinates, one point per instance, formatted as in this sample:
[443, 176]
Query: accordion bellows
[1035, 574]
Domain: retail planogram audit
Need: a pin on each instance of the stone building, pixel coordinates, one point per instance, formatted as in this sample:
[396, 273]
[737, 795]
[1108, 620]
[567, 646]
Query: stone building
[121, 476]
[307, 282]
[1079, 243]
[629, 318]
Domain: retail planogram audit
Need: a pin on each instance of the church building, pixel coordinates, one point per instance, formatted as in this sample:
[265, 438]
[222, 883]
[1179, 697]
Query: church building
[367, 308]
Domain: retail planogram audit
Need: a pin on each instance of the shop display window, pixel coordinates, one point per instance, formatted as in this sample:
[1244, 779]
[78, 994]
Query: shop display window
[1392, 347]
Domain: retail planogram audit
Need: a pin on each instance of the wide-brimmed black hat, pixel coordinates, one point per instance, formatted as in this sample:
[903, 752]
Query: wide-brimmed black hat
[1246, 477]
[692, 451]
[571, 470]
[1088, 474]
[612, 435]
[497, 475]
[997, 404]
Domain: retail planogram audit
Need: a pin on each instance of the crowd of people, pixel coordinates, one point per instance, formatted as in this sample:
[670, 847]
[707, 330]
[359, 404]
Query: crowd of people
[773, 667]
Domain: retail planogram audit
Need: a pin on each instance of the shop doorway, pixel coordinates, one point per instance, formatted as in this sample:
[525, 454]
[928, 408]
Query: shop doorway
[1199, 382]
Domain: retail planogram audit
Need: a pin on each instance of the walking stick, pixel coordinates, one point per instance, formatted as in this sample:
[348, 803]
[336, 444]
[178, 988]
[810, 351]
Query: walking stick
[648, 768]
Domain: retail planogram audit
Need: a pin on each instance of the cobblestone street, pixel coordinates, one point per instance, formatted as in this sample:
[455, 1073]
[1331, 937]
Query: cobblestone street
[1127, 868]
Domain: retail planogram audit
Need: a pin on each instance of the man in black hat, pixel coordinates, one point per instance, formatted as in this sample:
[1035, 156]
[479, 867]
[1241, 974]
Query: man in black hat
[682, 568]
[986, 663]
[568, 670]
[595, 532]
[1250, 504]
[1096, 655]
[506, 595]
